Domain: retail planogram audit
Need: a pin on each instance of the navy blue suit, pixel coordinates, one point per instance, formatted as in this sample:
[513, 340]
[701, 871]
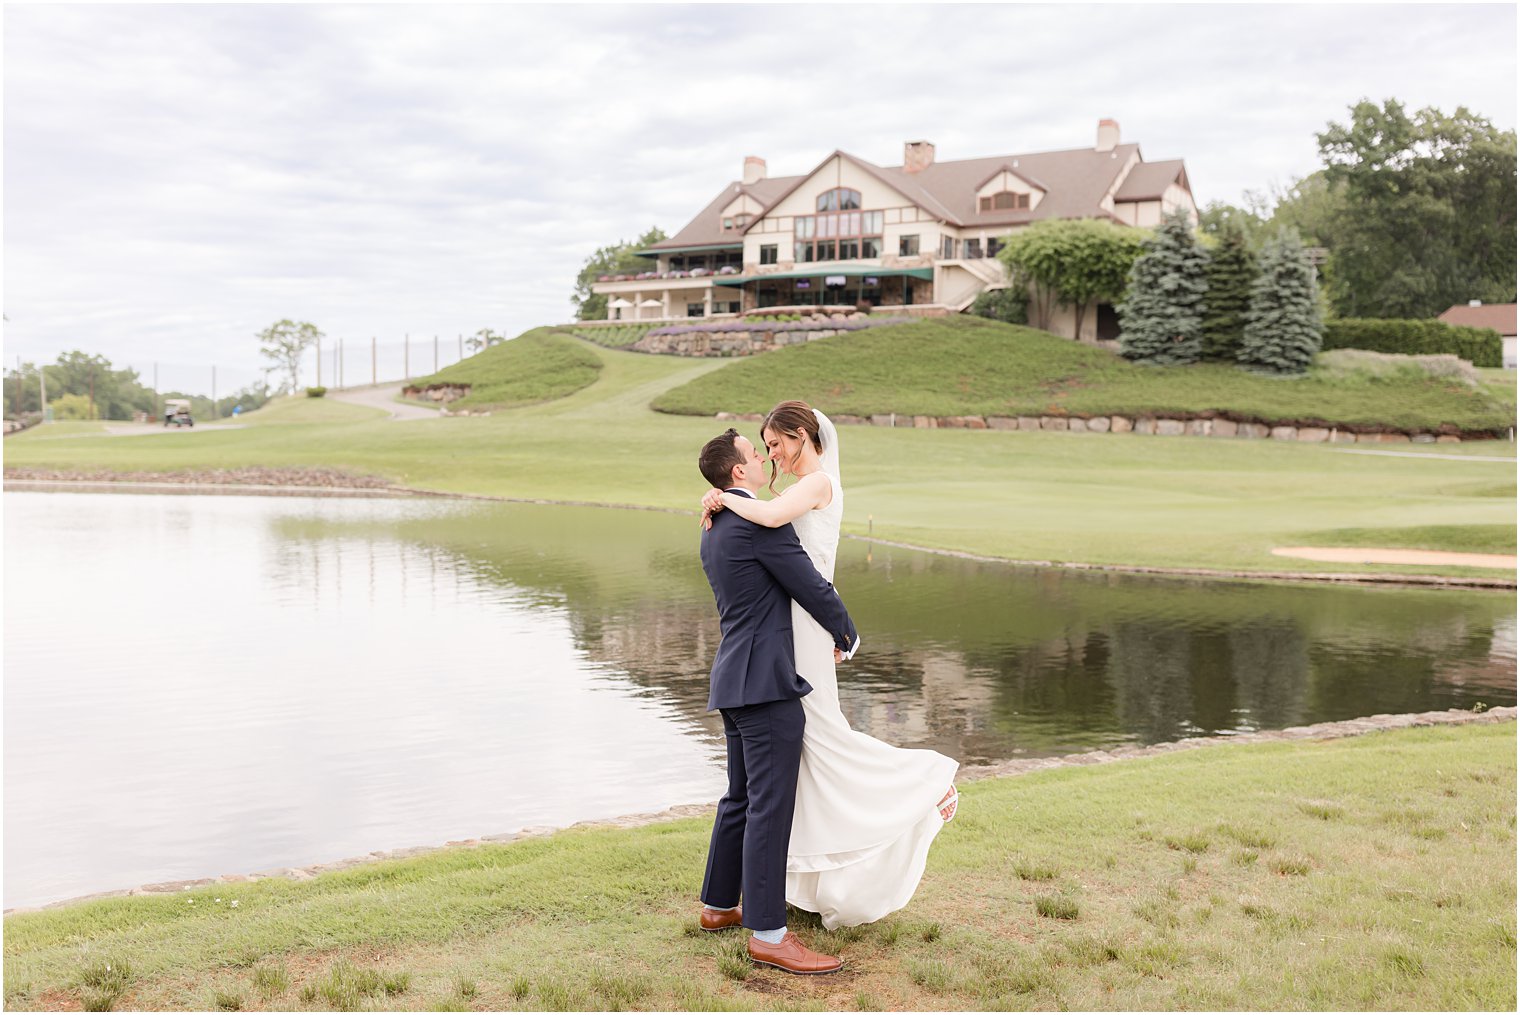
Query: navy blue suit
[756, 573]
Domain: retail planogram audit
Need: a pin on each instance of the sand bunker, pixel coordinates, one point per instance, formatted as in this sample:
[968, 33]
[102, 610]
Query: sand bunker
[1374, 555]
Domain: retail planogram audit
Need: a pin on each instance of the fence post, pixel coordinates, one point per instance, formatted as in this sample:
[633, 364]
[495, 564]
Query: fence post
[340, 363]
[373, 370]
[461, 347]
[319, 362]
[435, 354]
[406, 356]
[213, 392]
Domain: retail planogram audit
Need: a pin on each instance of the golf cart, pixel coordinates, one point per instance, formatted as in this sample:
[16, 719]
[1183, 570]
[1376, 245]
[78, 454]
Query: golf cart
[177, 412]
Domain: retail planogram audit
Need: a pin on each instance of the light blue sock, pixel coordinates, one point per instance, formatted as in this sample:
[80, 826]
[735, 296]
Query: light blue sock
[771, 937]
[719, 909]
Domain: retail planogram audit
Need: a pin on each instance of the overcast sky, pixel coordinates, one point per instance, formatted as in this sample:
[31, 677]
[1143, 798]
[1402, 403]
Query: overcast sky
[178, 177]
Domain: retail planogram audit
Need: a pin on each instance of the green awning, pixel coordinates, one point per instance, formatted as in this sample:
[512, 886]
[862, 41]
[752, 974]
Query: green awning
[854, 271]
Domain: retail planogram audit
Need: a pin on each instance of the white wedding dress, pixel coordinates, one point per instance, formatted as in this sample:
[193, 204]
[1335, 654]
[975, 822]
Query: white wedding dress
[866, 811]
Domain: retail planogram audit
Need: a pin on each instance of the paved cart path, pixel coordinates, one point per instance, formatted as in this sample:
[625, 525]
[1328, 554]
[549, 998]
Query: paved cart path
[383, 396]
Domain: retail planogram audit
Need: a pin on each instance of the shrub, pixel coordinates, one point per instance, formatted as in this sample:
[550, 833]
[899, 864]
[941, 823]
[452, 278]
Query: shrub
[1481, 347]
[1381, 366]
[1010, 305]
[315, 392]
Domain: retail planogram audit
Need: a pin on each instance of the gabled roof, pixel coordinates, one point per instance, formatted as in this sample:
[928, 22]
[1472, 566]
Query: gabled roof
[1074, 182]
[1499, 316]
[1149, 180]
[706, 230]
[1009, 167]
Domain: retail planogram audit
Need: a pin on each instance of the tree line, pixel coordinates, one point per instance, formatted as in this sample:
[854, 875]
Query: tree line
[85, 386]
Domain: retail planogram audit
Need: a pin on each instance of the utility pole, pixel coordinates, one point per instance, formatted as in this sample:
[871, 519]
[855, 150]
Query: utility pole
[42, 379]
[319, 362]
[435, 354]
[158, 399]
[340, 362]
[406, 355]
[17, 399]
[461, 347]
[374, 372]
[213, 392]
[92, 392]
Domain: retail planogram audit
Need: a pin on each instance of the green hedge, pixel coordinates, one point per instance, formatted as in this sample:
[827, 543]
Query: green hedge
[1481, 347]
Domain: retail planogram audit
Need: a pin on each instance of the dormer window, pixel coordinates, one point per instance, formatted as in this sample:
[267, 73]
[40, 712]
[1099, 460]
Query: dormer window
[739, 221]
[1005, 201]
[839, 199]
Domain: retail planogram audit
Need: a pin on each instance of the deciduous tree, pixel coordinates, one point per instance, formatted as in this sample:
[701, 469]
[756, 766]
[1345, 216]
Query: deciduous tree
[283, 344]
[617, 259]
[1071, 263]
[1428, 217]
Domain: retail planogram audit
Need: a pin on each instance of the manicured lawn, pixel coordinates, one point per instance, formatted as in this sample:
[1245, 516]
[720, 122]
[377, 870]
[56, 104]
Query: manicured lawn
[1097, 498]
[536, 367]
[969, 366]
[1376, 872]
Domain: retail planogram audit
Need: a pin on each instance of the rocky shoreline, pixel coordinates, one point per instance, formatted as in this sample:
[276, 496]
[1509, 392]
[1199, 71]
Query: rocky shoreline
[971, 773]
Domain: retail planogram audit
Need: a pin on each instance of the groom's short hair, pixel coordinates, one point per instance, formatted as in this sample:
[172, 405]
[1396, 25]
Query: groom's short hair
[718, 458]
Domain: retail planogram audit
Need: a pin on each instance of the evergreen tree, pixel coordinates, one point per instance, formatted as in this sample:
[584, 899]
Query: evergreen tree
[1283, 329]
[1231, 271]
[1160, 320]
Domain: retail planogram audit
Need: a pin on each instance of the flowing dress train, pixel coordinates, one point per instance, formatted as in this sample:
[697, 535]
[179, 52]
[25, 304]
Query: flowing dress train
[866, 811]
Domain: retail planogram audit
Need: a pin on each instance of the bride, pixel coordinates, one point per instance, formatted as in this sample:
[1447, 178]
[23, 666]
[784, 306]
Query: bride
[866, 811]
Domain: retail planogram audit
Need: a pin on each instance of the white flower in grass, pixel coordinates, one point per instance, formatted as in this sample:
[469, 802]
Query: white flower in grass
[234, 903]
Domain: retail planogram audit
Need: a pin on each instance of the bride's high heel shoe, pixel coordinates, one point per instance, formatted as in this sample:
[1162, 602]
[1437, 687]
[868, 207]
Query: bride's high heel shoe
[948, 803]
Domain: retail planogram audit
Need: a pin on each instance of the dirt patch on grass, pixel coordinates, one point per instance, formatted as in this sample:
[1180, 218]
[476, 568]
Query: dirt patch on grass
[1389, 555]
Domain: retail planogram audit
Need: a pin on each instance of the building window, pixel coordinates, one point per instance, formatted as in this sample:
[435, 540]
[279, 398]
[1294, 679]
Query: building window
[1006, 201]
[973, 249]
[993, 246]
[947, 247]
[728, 222]
[907, 246]
[838, 236]
[733, 306]
[694, 310]
[839, 199]
[768, 253]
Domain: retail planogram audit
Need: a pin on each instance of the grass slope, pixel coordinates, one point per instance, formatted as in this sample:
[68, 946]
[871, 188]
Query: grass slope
[1375, 872]
[538, 366]
[969, 366]
[1100, 498]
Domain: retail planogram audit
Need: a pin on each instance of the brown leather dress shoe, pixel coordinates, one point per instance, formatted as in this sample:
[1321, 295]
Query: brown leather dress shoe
[793, 957]
[721, 919]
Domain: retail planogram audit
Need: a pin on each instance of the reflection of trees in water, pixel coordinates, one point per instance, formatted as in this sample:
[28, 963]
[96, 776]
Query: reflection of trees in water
[1269, 667]
[1150, 669]
[976, 660]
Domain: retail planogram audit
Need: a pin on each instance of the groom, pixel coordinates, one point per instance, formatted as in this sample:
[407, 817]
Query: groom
[755, 573]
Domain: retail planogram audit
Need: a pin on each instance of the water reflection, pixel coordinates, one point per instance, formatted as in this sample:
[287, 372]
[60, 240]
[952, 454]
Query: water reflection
[986, 662]
[202, 685]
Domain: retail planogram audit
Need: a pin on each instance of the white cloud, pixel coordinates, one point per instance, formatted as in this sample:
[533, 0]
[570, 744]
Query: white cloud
[177, 177]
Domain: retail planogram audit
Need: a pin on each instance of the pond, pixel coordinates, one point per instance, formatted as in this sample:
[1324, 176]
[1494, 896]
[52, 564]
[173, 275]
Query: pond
[212, 684]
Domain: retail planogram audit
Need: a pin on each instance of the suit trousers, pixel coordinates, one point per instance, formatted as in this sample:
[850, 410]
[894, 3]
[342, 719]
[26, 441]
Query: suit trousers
[753, 827]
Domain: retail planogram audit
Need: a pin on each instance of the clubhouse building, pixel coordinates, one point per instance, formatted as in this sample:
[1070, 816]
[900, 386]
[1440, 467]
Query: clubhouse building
[920, 235]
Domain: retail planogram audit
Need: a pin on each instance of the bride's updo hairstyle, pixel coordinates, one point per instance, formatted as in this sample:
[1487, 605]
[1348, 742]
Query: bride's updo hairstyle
[787, 418]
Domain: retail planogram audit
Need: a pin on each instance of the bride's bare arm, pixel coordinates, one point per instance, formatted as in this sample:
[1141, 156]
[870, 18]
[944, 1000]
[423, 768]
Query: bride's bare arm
[812, 491]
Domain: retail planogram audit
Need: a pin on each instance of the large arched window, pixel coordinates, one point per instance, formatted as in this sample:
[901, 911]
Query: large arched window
[839, 199]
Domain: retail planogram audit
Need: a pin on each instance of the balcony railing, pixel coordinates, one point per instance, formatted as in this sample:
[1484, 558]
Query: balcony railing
[645, 276]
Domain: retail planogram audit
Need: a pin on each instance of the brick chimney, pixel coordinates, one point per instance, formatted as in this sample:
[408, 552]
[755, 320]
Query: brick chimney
[754, 169]
[917, 156]
[1108, 135]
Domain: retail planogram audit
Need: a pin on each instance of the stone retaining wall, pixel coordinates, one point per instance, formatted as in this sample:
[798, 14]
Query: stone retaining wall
[436, 392]
[1199, 426]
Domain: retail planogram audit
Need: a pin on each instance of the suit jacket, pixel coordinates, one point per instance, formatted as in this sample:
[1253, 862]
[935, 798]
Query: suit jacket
[755, 573]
